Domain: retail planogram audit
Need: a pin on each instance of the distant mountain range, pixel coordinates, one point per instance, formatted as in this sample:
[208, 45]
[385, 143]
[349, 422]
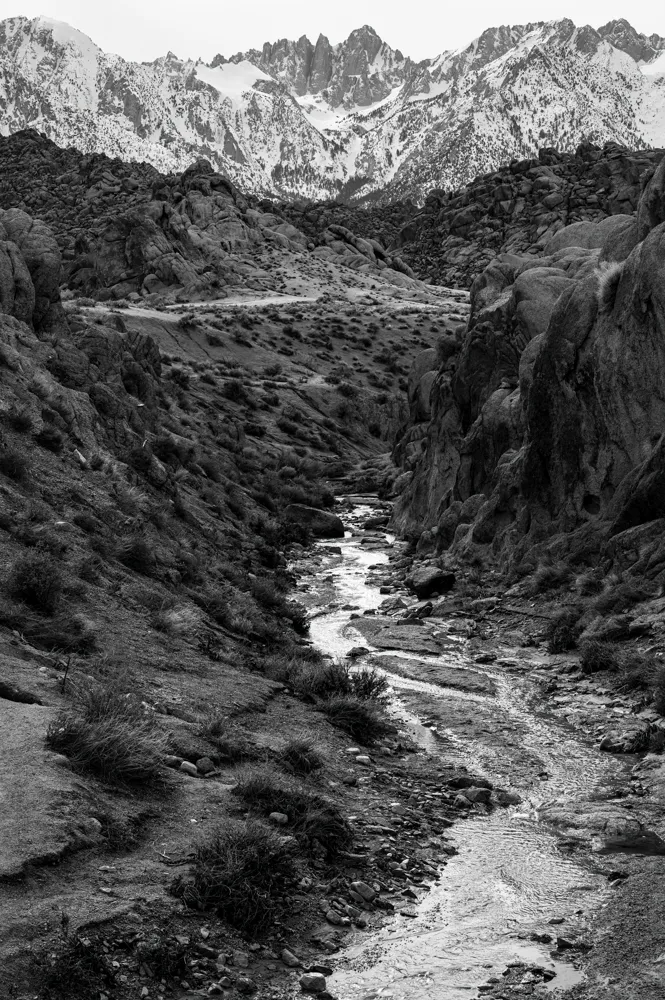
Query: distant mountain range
[353, 120]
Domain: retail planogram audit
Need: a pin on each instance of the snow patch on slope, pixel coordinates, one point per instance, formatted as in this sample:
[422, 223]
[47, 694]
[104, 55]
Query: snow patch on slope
[232, 80]
[655, 68]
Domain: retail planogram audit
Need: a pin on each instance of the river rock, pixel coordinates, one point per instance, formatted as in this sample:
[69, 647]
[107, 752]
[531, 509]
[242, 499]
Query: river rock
[375, 522]
[428, 580]
[364, 890]
[630, 740]
[312, 982]
[477, 795]
[466, 781]
[290, 959]
[322, 523]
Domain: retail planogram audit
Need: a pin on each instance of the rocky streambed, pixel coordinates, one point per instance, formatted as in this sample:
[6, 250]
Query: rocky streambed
[514, 911]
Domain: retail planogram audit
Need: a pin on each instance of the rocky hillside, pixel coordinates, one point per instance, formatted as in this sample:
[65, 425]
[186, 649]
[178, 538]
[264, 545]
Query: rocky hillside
[353, 120]
[124, 230]
[160, 469]
[537, 432]
[515, 209]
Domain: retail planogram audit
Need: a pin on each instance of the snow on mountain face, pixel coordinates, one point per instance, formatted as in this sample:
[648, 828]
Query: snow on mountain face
[297, 119]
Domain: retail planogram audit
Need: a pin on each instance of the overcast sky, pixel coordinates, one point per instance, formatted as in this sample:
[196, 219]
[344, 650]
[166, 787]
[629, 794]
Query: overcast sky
[145, 29]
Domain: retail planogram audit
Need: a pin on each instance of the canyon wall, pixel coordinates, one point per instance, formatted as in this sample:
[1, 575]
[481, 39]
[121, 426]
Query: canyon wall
[537, 430]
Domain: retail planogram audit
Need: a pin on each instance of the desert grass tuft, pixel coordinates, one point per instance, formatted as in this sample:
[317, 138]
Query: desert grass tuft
[14, 464]
[549, 575]
[108, 735]
[36, 579]
[79, 970]
[562, 632]
[313, 818]
[364, 721]
[596, 655]
[299, 756]
[238, 873]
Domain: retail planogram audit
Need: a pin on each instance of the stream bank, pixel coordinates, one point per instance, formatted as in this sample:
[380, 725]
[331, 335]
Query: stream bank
[516, 908]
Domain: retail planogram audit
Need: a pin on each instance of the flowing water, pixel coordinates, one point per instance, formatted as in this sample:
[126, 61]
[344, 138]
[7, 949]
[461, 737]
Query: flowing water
[510, 876]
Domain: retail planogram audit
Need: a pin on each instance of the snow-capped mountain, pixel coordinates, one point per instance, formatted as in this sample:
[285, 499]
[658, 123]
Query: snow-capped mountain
[297, 119]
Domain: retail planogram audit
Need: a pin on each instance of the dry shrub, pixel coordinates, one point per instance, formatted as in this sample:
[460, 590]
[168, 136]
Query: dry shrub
[14, 464]
[621, 596]
[108, 735]
[238, 872]
[364, 721]
[563, 632]
[369, 683]
[36, 579]
[300, 756]
[637, 672]
[178, 619]
[550, 575]
[135, 553]
[313, 818]
[595, 655]
[19, 418]
[79, 970]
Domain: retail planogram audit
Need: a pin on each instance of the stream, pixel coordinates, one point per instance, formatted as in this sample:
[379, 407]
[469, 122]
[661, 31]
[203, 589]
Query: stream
[510, 876]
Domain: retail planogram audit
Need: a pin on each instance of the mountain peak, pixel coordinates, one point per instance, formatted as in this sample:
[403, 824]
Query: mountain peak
[298, 119]
[622, 35]
[63, 33]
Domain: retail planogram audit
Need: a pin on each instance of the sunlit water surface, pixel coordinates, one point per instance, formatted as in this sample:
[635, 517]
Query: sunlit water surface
[509, 878]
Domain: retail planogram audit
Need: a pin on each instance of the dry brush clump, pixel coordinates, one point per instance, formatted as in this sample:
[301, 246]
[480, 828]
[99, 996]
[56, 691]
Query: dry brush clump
[78, 970]
[37, 580]
[312, 818]
[620, 595]
[108, 734]
[563, 631]
[299, 756]
[363, 720]
[14, 464]
[32, 604]
[549, 575]
[238, 873]
[597, 655]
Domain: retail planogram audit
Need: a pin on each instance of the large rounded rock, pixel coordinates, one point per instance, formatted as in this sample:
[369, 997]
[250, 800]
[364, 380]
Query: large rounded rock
[313, 982]
[590, 235]
[39, 249]
[427, 580]
[17, 293]
[321, 523]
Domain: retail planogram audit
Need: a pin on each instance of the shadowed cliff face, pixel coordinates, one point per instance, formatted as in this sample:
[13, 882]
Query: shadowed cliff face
[546, 421]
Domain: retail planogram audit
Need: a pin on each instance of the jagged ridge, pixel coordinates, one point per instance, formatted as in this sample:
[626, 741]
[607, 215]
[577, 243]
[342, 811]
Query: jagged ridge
[353, 120]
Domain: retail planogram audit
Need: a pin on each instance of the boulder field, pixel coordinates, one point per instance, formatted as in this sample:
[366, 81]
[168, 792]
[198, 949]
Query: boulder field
[126, 231]
[517, 209]
[537, 430]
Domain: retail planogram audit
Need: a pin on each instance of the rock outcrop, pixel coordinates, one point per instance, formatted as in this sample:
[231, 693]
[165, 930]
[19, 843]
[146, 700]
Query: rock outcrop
[30, 272]
[518, 209]
[124, 229]
[548, 420]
